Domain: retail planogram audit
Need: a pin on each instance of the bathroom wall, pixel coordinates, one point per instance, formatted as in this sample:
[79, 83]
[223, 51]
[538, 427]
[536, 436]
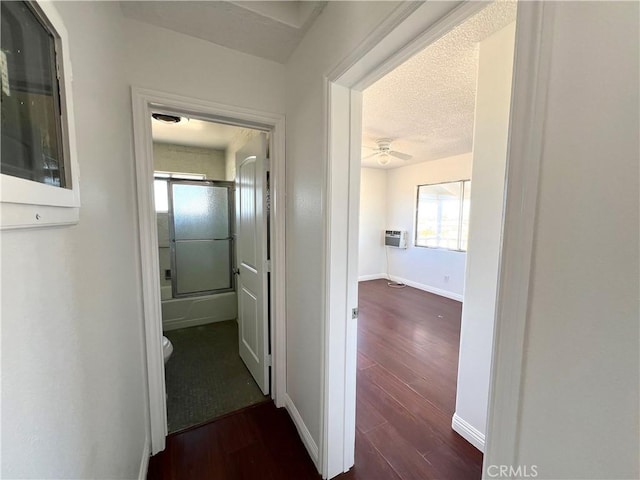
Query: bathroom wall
[178, 158]
[241, 138]
[164, 251]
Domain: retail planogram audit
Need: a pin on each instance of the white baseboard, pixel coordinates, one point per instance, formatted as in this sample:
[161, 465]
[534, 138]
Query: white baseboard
[375, 276]
[144, 461]
[428, 288]
[303, 431]
[468, 432]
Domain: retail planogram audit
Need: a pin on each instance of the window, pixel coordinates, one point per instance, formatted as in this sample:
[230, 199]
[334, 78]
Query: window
[442, 215]
[38, 167]
[161, 187]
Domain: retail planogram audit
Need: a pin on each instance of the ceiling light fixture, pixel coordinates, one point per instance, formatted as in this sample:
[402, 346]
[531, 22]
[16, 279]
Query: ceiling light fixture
[383, 159]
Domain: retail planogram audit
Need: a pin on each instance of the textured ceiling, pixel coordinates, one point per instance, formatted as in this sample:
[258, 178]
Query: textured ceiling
[194, 133]
[426, 105]
[267, 29]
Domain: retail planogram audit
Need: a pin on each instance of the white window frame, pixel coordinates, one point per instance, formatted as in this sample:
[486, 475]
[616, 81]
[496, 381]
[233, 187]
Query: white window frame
[460, 215]
[26, 203]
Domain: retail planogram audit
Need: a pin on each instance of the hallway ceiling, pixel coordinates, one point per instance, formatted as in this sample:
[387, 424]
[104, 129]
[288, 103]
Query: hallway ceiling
[427, 105]
[267, 29]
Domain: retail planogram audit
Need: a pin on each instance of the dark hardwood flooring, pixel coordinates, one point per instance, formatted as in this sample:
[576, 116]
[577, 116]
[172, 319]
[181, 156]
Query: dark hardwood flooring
[407, 366]
[257, 443]
[408, 343]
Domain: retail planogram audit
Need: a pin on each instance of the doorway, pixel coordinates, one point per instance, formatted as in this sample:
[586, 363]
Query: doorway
[209, 370]
[524, 139]
[269, 263]
[423, 227]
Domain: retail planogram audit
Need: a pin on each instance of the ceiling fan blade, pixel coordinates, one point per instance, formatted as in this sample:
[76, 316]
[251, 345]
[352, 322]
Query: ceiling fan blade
[369, 148]
[400, 155]
[369, 156]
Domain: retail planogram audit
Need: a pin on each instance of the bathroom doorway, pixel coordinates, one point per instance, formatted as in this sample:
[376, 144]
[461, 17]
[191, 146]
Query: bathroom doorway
[187, 153]
[264, 339]
[194, 194]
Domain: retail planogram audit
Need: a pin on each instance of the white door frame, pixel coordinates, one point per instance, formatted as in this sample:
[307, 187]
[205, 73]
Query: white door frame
[144, 102]
[407, 31]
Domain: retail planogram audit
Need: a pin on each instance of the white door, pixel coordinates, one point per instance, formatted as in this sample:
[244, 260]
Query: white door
[251, 258]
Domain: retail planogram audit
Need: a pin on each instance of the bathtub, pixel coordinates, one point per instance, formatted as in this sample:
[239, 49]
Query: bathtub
[193, 311]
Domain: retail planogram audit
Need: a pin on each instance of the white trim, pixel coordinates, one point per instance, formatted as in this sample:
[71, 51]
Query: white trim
[528, 106]
[335, 379]
[532, 53]
[26, 203]
[427, 288]
[144, 461]
[467, 431]
[143, 102]
[150, 269]
[411, 283]
[303, 431]
[375, 276]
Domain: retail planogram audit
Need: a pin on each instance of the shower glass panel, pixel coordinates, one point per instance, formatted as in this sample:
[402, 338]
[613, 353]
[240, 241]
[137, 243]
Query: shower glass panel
[201, 237]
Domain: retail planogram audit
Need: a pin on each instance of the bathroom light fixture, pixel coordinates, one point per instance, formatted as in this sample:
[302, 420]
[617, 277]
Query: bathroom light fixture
[164, 118]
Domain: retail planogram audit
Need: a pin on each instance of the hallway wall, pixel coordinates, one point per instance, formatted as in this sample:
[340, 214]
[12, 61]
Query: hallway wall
[73, 404]
[199, 69]
[580, 392]
[339, 29]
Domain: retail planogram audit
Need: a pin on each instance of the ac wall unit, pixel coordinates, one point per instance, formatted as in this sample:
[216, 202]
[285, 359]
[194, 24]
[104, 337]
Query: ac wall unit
[395, 238]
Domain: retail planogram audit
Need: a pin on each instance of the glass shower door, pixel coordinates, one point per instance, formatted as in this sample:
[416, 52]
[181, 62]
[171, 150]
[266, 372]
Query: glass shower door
[201, 237]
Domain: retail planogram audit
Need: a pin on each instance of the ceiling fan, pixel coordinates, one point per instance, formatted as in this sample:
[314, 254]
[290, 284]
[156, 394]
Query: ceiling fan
[384, 153]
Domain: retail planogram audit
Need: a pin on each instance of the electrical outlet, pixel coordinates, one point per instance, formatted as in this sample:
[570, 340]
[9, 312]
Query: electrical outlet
[446, 279]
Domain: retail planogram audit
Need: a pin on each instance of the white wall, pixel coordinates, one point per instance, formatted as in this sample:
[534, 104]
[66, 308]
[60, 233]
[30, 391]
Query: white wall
[73, 403]
[179, 158]
[579, 416]
[338, 30]
[373, 221]
[421, 267]
[72, 378]
[175, 63]
[237, 142]
[491, 126]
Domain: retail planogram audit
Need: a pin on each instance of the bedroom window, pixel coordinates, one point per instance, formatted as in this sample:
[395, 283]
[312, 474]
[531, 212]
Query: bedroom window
[442, 215]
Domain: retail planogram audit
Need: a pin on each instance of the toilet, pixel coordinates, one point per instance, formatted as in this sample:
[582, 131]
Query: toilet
[167, 348]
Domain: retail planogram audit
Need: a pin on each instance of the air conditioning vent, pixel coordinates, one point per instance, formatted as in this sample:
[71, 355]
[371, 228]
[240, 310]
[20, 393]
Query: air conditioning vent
[395, 238]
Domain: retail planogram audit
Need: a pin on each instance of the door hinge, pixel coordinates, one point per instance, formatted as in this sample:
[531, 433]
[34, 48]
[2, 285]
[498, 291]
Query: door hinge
[269, 360]
[354, 313]
[267, 266]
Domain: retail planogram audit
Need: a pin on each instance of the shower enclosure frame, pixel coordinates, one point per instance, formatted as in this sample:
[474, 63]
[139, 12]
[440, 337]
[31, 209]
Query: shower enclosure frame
[172, 236]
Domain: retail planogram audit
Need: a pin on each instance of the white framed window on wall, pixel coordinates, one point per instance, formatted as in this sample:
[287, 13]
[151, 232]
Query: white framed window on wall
[442, 215]
[39, 168]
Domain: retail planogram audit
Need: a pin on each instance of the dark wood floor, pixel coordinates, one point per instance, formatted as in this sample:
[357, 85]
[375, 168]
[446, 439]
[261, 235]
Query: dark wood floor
[407, 366]
[408, 344]
[257, 443]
